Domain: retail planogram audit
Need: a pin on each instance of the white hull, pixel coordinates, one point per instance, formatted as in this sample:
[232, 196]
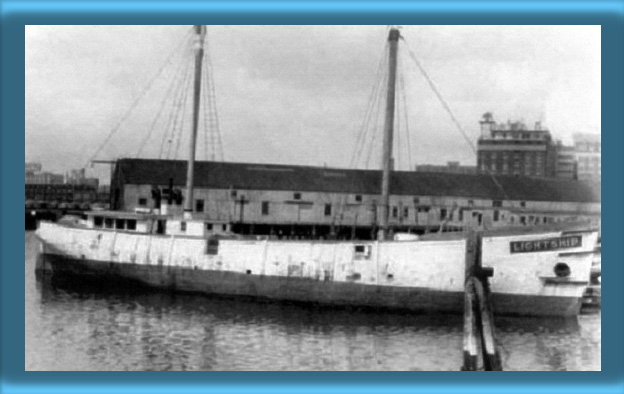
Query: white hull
[401, 272]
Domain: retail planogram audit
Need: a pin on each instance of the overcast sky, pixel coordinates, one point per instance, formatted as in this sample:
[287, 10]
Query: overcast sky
[299, 94]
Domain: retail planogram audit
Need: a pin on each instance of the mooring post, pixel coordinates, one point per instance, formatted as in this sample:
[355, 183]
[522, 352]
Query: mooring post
[491, 355]
[480, 350]
[473, 253]
[471, 352]
[471, 332]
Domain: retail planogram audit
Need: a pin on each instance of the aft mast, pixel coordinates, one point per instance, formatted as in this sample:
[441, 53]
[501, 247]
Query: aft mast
[393, 43]
[200, 33]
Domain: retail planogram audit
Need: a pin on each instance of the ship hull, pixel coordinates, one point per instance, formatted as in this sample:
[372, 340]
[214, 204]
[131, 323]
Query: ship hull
[412, 275]
[291, 289]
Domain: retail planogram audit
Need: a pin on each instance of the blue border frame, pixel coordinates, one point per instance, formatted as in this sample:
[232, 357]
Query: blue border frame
[16, 14]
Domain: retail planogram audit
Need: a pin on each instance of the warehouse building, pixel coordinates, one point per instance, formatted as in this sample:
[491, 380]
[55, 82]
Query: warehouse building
[317, 201]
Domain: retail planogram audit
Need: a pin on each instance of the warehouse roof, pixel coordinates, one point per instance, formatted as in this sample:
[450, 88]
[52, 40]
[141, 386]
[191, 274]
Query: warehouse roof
[227, 175]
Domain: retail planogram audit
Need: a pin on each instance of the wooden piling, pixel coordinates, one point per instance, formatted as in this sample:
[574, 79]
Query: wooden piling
[480, 351]
[491, 355]
[472, 354]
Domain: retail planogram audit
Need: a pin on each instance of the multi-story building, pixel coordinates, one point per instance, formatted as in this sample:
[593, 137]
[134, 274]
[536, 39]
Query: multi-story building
[32, 168]
[566, 162]
[60, 193]
[514, 149]
[44, 178]
[35, 176]
[588, 156]
[297, 200]
[78, 177]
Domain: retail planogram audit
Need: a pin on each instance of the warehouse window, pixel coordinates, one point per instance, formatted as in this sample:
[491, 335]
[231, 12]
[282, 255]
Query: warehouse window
[183, 227]
[199, 205]
[131, 224]
[328, 209]
[443, 213]
[497, 204]
[265, 208]
[406, 212]
[297, 196]
[395, 212]
[496, 216]
[358, 198]
[142, 201]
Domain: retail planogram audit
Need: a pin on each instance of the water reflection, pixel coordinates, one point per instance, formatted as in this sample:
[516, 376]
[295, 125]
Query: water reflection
[180, 332]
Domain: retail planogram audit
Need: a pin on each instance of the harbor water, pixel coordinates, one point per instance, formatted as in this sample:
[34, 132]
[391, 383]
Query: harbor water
[73, 327]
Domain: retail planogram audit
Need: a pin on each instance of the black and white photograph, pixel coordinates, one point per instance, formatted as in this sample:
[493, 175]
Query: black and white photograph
[313, 198]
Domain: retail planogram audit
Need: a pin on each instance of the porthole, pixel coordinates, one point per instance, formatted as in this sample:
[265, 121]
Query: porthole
[562, 270]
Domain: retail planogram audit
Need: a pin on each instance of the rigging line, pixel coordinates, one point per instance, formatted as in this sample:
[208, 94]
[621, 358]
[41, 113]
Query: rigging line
[209, 137]
[376, 125]
[141, 95]
[183, 118]
[372, 106]
[217, 123]
[398, 145]
[178, 75]
[176, 110]
[177, 82]
[441, 99]
[398, 120]
[168, 134]
[205, 117]
[406, 114]
[177, 107]
[369, 108]
[373, 127]
[369, 129]
[212, 91]
[179, 110]
[158, 115]
[210, 140]
[450, 112]
[205, 96]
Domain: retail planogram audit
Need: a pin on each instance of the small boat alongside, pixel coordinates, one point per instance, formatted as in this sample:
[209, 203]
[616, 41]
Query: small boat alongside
[592, 298]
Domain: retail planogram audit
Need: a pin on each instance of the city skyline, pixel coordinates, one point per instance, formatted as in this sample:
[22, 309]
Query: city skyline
[298, 94]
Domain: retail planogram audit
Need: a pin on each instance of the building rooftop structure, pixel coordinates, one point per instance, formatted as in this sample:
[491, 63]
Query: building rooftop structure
[227, 175]
[453, 167]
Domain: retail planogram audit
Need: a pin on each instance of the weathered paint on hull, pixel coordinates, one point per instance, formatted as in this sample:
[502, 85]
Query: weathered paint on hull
[296, 289]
